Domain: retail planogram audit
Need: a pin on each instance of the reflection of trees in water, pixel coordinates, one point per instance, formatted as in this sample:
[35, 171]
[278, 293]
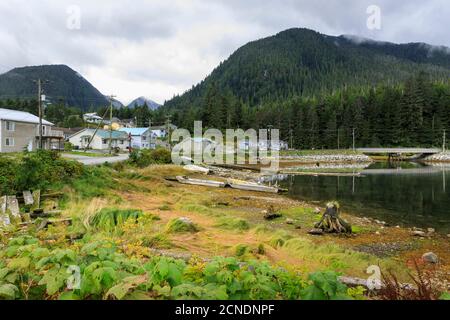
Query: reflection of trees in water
[414, 198]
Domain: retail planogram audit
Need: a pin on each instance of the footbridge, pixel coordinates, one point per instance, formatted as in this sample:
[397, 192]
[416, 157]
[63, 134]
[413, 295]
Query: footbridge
[400, 151]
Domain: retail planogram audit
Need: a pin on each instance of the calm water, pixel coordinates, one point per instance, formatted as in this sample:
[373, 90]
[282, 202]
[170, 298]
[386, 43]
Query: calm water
[410, 195]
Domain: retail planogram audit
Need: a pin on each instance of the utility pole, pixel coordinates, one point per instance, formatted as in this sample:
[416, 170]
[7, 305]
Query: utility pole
[444, 142]
[269, 142]
[151, 132]
[40, 111]
[354, 144]
[110, 122]
[291, 138]
[338, 140]
[168, 123]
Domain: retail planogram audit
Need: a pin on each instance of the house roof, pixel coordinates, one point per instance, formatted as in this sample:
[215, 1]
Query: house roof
[164, 127]
[104, 134]
[20, 116]
[135, 131]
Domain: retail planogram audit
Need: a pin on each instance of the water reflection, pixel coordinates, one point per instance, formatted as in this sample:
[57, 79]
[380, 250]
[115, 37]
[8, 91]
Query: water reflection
[409, 194]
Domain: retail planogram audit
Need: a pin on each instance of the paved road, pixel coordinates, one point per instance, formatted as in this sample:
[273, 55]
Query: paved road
[95, 161]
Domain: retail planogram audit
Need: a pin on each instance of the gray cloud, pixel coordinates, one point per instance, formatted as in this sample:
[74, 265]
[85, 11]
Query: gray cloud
[160, 48]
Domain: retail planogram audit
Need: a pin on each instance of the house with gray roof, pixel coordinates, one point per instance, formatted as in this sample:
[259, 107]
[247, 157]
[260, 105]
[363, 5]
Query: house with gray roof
[20, 131]
[99, 140]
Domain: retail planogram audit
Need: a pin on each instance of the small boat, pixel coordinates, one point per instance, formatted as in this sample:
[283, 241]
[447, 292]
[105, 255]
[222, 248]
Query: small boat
[205, 183]
[244, 185]
[194, 168]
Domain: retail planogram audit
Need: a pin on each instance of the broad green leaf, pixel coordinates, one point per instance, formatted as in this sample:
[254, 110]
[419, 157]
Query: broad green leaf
[313, 293]
[19, 263]
[8, 291]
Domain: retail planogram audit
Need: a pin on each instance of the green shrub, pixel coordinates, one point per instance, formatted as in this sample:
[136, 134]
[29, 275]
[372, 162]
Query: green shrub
[37, 170]
[144, 158]
[8, 170]
[68, 146]
[31, 270]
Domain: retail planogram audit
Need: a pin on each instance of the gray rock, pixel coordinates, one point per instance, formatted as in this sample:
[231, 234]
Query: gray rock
[418, 233]
[430, 257]
[289, 221]
[431, 230]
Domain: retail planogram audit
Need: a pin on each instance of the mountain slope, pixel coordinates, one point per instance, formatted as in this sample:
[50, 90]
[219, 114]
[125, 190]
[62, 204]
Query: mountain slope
[302, 62]
[63, 84]
[141, 101]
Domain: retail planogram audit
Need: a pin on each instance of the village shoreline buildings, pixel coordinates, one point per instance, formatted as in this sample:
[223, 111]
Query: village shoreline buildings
[99, 139]
[19, 131]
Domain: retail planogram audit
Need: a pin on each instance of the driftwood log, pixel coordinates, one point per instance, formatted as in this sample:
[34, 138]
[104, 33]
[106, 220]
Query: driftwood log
[331, 222]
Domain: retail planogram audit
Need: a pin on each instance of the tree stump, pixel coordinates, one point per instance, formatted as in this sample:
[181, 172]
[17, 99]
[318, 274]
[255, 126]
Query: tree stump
[331, 222]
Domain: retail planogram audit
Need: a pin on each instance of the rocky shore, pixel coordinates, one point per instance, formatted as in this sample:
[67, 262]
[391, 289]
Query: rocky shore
[334, 158]
[439, 157]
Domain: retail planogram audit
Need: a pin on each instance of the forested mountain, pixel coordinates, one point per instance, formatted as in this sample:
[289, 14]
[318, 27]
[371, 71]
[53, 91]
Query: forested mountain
[320, 90]
[302, 62]
[64, 86]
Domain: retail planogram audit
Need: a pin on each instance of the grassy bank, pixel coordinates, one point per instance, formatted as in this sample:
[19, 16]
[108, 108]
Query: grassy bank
[135, 235]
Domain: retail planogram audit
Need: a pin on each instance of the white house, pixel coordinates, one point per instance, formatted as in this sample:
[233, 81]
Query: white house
[100, 141]
[141, 138]
[20, 130]
[92, 118]
[160, 132]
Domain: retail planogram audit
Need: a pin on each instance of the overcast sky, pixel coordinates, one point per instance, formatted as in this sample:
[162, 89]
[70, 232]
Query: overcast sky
[158, 48]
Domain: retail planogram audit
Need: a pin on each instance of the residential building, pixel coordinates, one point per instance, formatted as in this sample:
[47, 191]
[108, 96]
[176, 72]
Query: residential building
[67, 132]
[141, 138]
[161, 131]
[20, 131]
[99, 140]
[92, 118]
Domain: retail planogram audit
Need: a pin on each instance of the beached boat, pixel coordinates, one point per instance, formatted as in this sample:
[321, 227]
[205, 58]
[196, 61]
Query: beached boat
[194, 168]
[199, 182]
[244, 185]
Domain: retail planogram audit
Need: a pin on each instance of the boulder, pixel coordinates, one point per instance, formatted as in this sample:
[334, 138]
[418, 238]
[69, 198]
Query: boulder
[431, 230]
[430, 257]
[289, 221]
[418, 233]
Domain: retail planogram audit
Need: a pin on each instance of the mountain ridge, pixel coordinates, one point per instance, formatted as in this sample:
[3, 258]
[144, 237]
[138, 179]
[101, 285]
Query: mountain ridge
[61, 84]
[303, 62]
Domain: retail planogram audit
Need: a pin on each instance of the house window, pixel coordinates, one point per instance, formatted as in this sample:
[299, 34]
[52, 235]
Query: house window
[9, 142]
[10, 126]
[105, 141]
[144, 138]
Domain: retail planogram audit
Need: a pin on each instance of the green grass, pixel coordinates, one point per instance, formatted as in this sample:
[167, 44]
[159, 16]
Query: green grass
[233, 224]
[88, 154]
[109, 219]
[159, 241]
[179, 225]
